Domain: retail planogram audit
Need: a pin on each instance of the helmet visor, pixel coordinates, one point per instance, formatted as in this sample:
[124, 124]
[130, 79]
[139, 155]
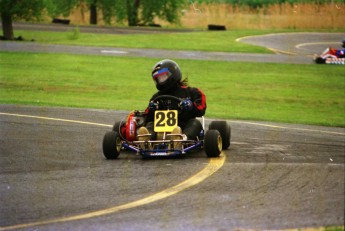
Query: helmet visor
[161, 76]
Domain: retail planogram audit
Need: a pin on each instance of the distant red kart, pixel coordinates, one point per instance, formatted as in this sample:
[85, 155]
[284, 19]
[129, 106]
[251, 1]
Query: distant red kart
[331, 56]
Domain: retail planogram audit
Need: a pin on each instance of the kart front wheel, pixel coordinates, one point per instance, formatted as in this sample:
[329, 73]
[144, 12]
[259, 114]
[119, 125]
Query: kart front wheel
[225, 131]
[213, 143]
[111, 145]
[117, 126]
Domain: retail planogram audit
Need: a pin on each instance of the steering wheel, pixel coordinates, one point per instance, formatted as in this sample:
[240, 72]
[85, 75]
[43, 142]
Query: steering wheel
[165, 102]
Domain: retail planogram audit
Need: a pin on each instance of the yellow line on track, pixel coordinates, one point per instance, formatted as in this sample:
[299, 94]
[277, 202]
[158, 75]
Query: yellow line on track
[213, 166]
[277, 51]
[272, 49]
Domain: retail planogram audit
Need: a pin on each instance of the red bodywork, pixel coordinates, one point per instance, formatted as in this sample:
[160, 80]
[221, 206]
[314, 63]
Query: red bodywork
[135, 120]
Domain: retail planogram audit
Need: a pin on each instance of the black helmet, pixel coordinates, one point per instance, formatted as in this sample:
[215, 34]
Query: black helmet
[166, 74]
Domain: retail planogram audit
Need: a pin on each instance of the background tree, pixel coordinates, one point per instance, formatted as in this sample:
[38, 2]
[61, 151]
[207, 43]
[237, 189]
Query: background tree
[135, 12]
[113, 9]
[61, 7]
[17, 9]
[109, 8]
[144, 11]
[64, 8]
[93, 11]
[167, 10]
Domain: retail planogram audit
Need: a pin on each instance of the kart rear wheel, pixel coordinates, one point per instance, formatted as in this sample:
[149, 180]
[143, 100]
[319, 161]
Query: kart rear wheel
[213, 143]
[111, 145]
[225, 131]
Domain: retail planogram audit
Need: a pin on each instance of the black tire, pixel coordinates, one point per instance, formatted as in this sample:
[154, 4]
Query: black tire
[320, 60]
[213, 143]
[216, 27]
[225, 131]
[116, 127]
[111, 145]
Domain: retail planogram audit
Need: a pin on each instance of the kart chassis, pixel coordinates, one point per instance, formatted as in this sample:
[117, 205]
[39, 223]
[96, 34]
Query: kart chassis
[124, 136]
[164, 146]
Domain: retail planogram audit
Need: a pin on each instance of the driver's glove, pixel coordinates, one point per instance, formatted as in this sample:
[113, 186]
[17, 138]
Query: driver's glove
[186, 104]
[153, 106]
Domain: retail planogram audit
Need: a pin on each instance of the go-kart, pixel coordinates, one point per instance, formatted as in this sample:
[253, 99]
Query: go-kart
[330, 56]
[124, 135]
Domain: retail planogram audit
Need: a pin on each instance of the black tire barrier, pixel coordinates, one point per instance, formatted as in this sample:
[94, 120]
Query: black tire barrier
[149, 25]
[61, 21]
[216, 27]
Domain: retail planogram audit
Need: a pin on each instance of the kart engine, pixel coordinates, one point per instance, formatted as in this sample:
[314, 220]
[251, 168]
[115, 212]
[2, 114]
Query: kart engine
[134, 121]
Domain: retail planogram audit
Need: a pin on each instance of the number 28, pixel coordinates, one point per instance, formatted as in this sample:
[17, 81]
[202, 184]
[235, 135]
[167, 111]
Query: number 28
[165, 121]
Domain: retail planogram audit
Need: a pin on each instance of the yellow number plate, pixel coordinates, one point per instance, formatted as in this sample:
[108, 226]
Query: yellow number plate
[165, 121]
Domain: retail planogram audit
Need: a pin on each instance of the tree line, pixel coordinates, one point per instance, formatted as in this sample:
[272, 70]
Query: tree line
[135, 12]
[262, 3]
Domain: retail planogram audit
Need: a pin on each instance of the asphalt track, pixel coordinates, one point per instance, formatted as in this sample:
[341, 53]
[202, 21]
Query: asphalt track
[274, 176]
[53, 176]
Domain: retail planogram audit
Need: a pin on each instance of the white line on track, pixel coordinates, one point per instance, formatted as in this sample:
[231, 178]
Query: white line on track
[290, 128]
[287, 128]
[113, 52]
[232, 121]
[56, 119]
[316, 43]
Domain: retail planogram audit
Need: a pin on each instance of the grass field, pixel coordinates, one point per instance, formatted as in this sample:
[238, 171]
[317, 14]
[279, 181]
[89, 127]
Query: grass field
[306, 94]
[205, 41]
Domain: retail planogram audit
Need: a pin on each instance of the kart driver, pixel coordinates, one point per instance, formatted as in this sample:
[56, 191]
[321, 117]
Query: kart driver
[167, 77]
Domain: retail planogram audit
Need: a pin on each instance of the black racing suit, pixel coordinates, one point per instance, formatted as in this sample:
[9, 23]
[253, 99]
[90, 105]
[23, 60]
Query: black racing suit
[186, 118]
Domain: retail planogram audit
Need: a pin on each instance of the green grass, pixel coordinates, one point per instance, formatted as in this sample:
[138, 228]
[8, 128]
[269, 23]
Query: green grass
[306, 94]
[333, 228]
[205, 41]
